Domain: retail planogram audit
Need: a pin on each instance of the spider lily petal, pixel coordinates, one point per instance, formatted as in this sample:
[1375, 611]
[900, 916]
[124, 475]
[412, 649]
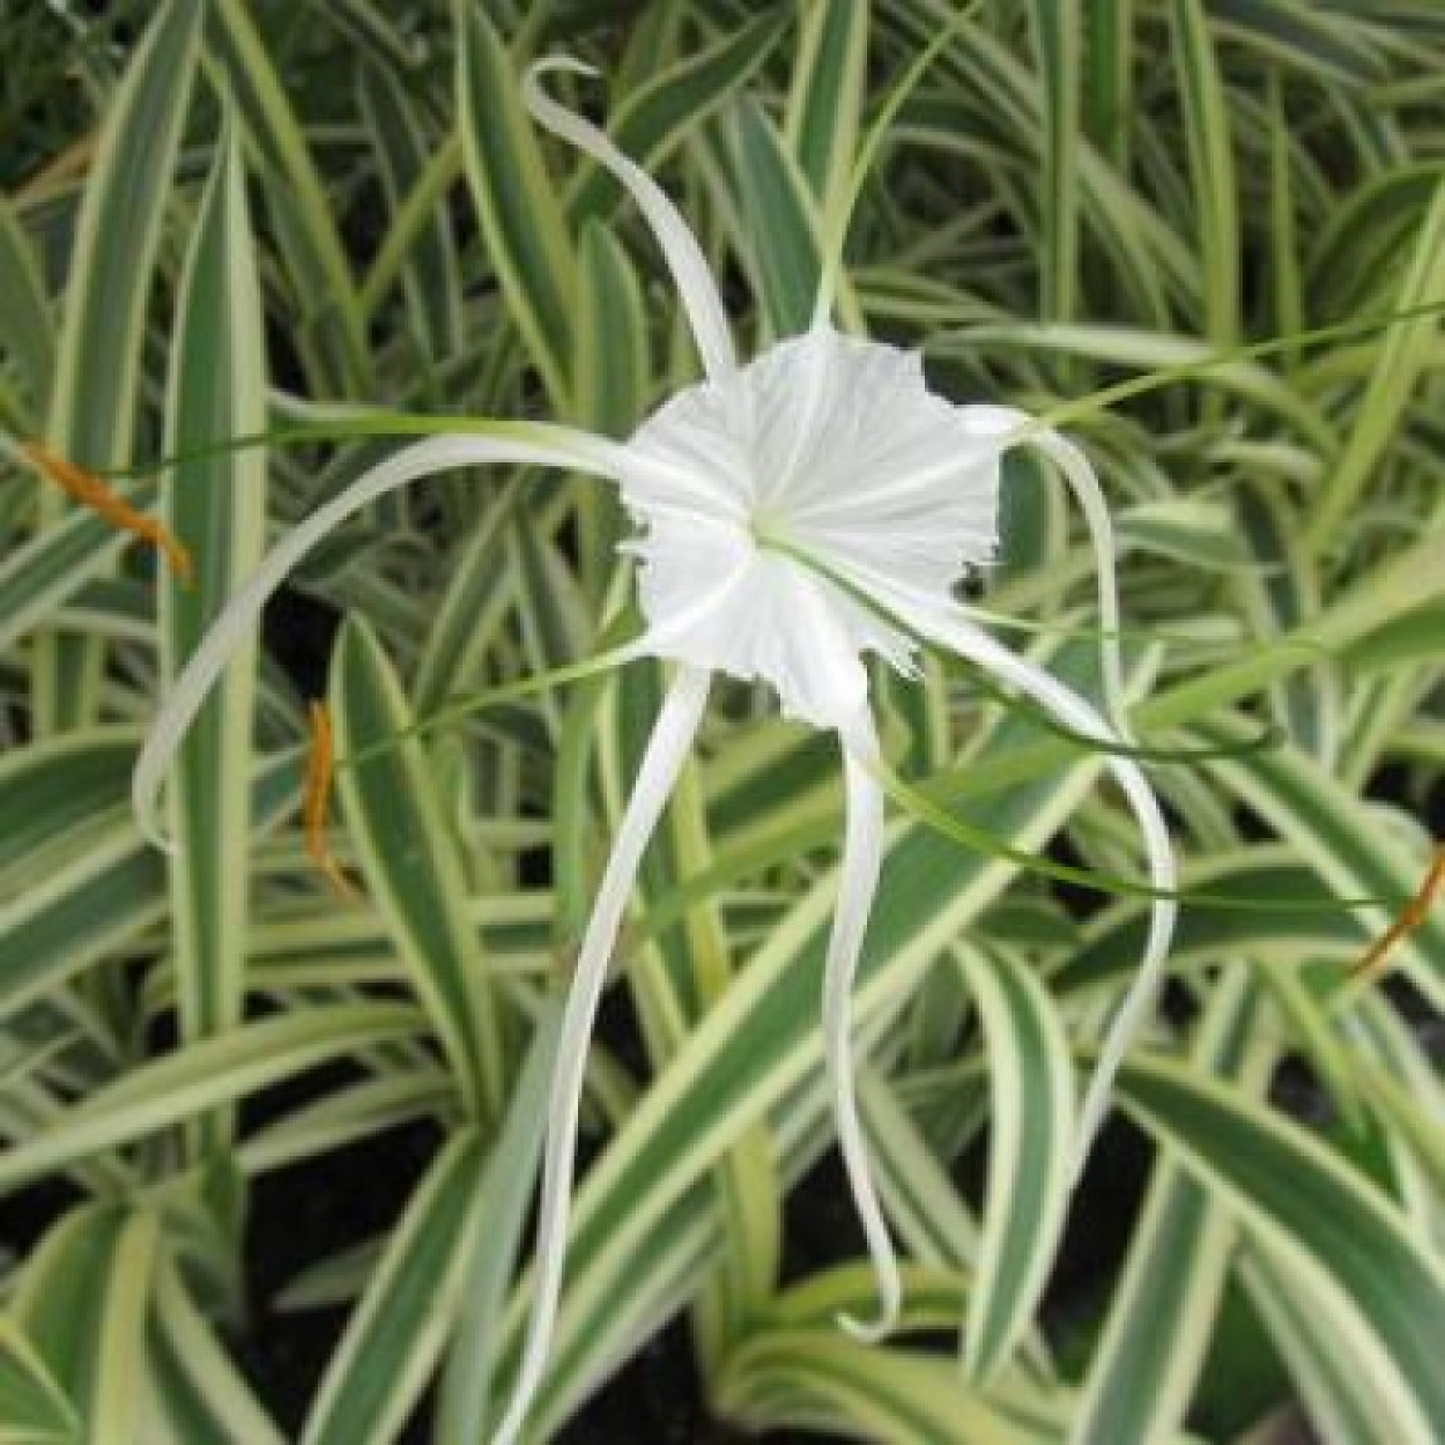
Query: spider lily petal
[666, 750]
[1085, 485]
[970, 641]
[526, 443]
[705, 310]
[857, 883]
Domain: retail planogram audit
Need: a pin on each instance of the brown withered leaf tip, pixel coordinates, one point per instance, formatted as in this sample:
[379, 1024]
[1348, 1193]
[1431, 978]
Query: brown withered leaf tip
[90, 491]
[1414, 913]
[316, 798]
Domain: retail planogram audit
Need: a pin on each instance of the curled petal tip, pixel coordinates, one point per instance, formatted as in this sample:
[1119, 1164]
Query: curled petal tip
[143, 797]
[872, 1332]
[549, 64]
[158, 840]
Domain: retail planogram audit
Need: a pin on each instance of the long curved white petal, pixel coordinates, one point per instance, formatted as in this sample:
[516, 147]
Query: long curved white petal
[1079, 474]
[695, 285]
[532, 444]
[666, 750]
[858, 881]
[973, 643]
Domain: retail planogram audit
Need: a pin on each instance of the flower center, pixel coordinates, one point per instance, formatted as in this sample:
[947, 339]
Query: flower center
[766, 526]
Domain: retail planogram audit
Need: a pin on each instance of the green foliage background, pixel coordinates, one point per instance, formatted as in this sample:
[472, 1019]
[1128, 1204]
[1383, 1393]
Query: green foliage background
[219, 218]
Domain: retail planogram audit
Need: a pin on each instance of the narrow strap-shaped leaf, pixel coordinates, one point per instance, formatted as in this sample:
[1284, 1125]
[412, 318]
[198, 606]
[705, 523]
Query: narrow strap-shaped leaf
[185, 1084]
[612, 361]
[819, 1378]
[1336, 45]
[1382, 1287]
[1281, 592]
[1108, 89]
[199, 1390]
[40, 575]
[1409, 578]
[413, 215]
[1404, 355]
[826, 100]
[1161, 1315]
[1334, 832]
[92, 413]
[464, 623]
[91, 885]
[1157, 350]
[1343, 1403]
[398, 1330]
[1211, 167]
[1031, 1156]
[612, 370]
[502, 1201]
[430, 276]
[82, 1301]
[217, 505]
[55, 787]
[653, 119]
[93, 402]
[29, 331]
[32, 1405]
[778, 221]
[526, 238]
[366, 24]
[329, 329]
[1057, 32]
[409, 861]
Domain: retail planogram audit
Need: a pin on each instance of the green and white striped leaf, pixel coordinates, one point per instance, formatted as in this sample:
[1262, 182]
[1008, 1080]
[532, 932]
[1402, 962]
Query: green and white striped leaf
[1031, 1156]
[1162, 1312]
[1347, 1252]
[1211, 167]
[527, 241]
[465, 1395]
[1404, 357]
[1334, 832]
[79, 882]
[326, 321]
[821, 1380]
[409, 860]
[1057, 29]
[183, 1085]
[93, 401]
[29, 333]
[33, 1408]
[430, 278]
[198, 1393]
[654, 119]
[826, 101]
[778, 221]
[398, 1331]
[217, 505]
[92, 413]
[82, 1300]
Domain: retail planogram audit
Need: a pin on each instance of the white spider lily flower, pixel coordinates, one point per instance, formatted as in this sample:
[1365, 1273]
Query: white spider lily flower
[794, 515]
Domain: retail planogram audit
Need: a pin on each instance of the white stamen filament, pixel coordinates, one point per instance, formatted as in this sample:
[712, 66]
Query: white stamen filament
[666, 751]
[976, 645]
[529, 444]
[857, 883]
[695, 286]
